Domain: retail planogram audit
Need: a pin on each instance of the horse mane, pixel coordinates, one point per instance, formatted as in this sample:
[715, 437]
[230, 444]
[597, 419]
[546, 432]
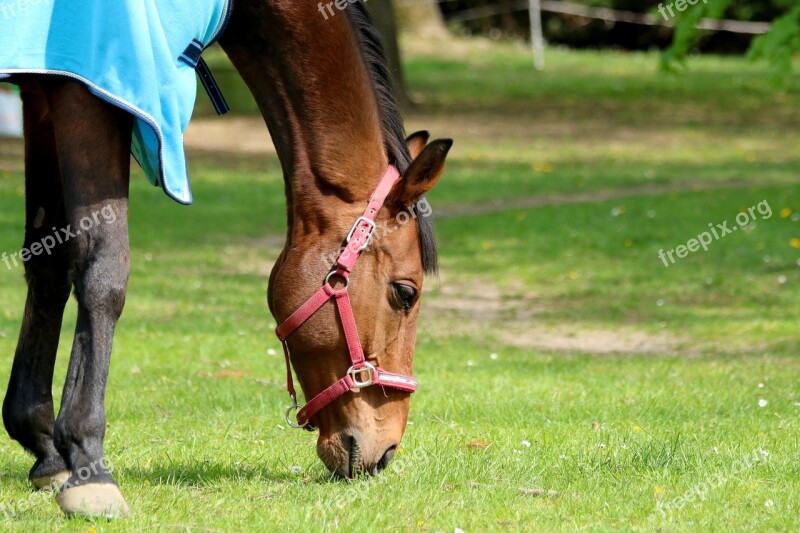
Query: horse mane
[394, 134]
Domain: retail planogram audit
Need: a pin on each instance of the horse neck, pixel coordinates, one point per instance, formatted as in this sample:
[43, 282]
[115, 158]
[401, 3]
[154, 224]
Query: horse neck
[315, 93]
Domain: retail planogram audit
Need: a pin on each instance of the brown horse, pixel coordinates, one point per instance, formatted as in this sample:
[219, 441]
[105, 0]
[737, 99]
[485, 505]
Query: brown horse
[323, 87]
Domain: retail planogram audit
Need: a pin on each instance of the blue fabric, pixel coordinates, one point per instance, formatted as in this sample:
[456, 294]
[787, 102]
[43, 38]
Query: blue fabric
[127, 52]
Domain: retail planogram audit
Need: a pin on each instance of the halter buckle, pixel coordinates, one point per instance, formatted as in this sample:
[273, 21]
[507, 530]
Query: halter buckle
[356, 373]
[368, 234]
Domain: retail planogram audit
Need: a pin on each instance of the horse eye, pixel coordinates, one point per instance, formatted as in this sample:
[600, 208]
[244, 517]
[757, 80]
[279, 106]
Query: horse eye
[406, 295]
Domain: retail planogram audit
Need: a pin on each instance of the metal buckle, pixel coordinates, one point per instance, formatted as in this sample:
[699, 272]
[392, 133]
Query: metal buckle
[292, 421]
[372, 227]
[355, 374]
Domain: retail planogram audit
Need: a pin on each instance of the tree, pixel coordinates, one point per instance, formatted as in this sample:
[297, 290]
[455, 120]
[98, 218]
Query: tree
[422, 19]
[384, 17]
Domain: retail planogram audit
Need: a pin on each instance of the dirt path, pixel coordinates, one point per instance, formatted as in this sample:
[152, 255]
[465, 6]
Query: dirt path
[515, 317]
[599, 196]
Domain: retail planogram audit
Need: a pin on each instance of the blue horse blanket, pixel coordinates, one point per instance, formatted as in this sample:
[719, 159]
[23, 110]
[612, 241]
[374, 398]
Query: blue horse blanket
[138, 55]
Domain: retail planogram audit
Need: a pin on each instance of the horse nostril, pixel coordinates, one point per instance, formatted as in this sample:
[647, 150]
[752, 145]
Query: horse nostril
[387, 456]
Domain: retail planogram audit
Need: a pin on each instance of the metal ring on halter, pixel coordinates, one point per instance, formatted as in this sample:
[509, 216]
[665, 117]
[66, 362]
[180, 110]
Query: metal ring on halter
[355, 373]
[336, 273]
[292, 423]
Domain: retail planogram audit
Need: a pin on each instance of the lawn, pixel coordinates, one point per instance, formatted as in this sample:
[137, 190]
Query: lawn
[569, 379]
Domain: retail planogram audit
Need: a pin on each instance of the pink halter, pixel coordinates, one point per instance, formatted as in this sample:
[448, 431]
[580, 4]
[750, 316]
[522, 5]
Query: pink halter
[361, 374]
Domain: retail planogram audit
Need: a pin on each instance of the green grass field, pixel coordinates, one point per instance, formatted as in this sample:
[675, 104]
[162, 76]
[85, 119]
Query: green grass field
[569, 380]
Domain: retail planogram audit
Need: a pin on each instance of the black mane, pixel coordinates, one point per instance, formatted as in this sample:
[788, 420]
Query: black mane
[394, 134]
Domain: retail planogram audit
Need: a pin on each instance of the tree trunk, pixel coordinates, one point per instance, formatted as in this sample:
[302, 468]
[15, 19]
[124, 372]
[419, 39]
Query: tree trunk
[384, 17]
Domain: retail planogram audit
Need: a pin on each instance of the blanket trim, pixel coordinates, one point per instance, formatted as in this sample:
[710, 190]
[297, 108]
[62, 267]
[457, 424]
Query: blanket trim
[226, 17]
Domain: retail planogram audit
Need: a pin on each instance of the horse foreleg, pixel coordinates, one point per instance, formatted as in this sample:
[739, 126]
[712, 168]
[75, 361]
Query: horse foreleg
[28, 406]
[93, 140]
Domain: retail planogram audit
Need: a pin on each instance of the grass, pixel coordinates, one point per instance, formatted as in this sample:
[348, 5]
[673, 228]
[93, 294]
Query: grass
[569, 379]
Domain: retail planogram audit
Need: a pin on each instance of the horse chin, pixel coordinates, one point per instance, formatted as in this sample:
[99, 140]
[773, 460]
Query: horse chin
[349, 454]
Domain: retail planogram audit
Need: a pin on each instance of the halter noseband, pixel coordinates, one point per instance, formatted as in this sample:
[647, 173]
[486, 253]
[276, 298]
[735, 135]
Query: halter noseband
[361, 374]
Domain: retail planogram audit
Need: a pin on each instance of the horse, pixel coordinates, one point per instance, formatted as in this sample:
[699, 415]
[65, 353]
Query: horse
[323, 86]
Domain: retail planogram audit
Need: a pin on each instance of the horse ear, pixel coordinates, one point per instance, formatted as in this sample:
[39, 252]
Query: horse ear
[416, 143]
[422, 175]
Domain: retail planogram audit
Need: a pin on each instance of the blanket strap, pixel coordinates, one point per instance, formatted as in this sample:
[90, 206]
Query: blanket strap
[192, 57]
[211, 87]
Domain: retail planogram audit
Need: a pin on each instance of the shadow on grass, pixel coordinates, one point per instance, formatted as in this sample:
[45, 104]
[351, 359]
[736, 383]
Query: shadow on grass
[205, 473]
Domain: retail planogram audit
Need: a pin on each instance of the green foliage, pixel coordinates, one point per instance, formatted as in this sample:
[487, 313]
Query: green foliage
[776, 47]
[686, 33]
[781, 43]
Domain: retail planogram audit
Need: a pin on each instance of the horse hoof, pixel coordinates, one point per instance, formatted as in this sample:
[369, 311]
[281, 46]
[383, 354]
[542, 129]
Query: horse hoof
[51, 482]
[93, 500]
